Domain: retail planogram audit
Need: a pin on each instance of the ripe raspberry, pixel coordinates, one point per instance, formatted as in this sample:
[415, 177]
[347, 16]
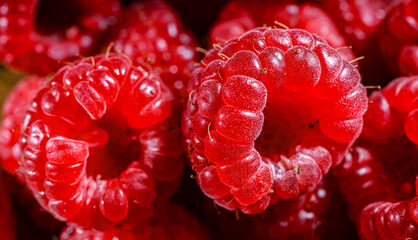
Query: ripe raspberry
[176, 224]
[13, 111]
[378, 175]
[98, 144]
[151, 34]
[36, 35]
[318, 213]
[399, 40]
[236, 19]
[269, 114]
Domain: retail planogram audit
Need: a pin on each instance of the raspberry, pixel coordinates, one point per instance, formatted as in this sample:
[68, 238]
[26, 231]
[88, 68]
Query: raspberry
[378, 174]
[13, 111]
[38, 35]
[98, 144]
[399, 39]
[269, 114]
[236, 19]
[151, 34]
[177, 224]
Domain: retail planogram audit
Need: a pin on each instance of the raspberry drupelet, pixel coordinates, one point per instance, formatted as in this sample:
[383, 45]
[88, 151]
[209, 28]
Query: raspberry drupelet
[37, 36]
[99, 147]
[240, 16]
[13, 110]
[151, 34]
[268, 114]
[378, 174]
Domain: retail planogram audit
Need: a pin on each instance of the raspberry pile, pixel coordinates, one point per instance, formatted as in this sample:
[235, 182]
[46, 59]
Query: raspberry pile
[238, 119]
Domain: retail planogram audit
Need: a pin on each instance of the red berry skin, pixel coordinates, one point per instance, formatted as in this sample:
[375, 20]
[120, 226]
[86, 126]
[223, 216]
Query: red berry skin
[13, 110]
[240, 16]
[151, 34]
[98, 144]
[400, 30]
[38, 36]
[378, 175]
[175, 224]
[269, 127]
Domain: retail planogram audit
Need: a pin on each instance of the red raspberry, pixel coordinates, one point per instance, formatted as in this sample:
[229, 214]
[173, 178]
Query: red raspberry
[399, 40]
[13, 111]
[152, 34]
[176, 224]
[318, 213]
[378, 175]
[38, 35]
[97, 143]
[269, 114]
[236, 19]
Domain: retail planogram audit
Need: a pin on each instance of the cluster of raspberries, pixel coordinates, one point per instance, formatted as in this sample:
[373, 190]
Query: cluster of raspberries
[292, 120]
